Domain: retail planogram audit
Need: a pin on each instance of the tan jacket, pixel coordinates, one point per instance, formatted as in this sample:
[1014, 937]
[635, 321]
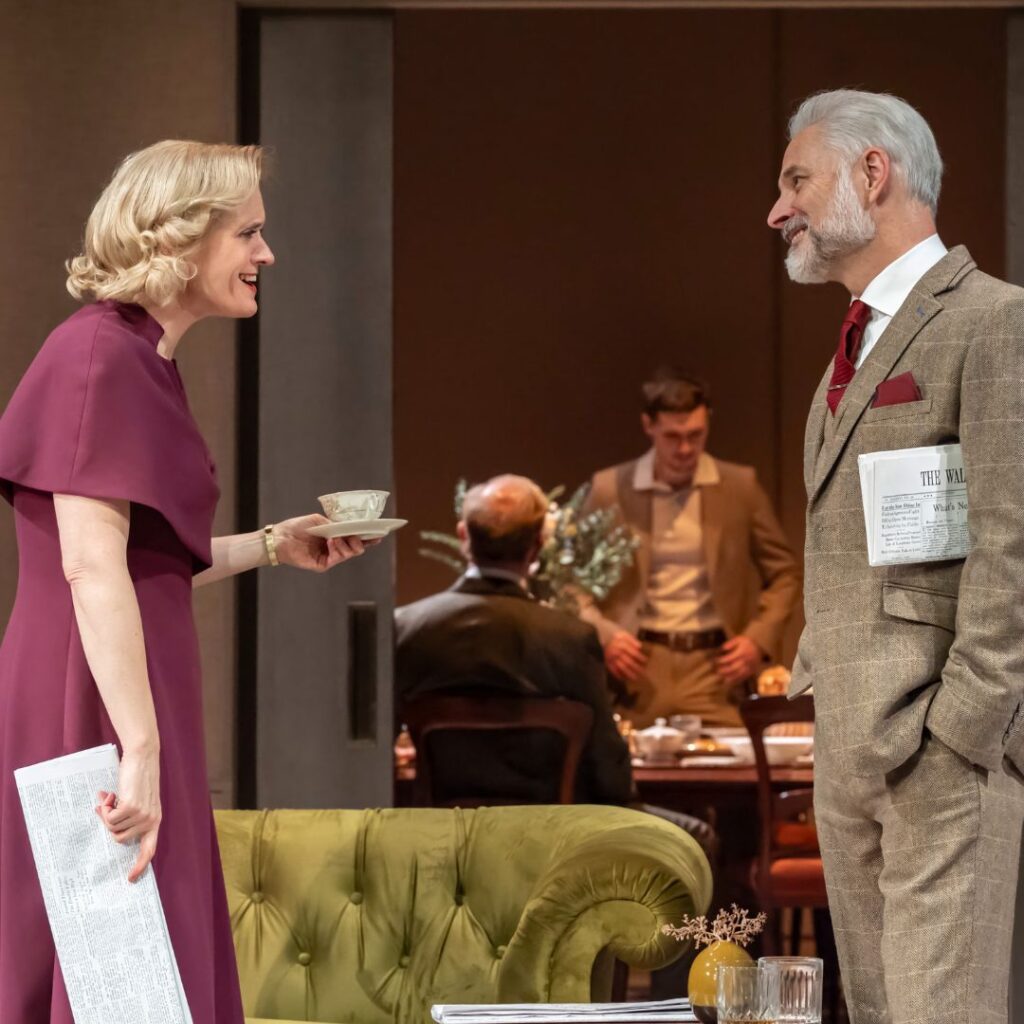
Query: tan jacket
[755, 580]
[897, 649]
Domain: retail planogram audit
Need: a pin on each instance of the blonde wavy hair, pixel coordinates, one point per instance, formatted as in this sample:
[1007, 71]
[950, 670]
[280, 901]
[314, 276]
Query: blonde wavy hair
[153, 216]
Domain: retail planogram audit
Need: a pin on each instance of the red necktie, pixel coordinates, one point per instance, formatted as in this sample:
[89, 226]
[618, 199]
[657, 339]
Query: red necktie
[845, 365]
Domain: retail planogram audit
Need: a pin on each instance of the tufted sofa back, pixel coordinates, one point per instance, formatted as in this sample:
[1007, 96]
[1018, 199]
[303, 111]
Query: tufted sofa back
[371, 916]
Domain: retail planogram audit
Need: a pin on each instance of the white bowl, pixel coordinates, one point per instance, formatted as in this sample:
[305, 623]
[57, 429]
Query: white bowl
[741, 745]
[786, 749]
[778, 749]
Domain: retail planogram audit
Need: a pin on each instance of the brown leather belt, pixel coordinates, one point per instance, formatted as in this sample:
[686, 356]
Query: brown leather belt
[685, 642]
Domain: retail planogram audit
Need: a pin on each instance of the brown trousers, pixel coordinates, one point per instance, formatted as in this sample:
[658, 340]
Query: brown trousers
[921, 869]
[677, 683]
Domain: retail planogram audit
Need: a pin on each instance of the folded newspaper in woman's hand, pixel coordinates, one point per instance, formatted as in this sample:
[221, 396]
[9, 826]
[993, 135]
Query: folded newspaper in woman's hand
[663, 1011]
[915, 504]
[110, 934]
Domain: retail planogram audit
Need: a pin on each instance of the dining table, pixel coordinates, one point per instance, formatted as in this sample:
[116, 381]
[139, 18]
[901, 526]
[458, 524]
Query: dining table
[722, 792]
[704, 790]
[712, 791]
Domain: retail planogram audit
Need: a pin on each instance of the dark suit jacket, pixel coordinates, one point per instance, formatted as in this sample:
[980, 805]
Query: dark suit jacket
[489, 634]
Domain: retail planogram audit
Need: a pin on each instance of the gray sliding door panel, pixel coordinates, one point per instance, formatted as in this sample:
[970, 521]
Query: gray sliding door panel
[323, 736]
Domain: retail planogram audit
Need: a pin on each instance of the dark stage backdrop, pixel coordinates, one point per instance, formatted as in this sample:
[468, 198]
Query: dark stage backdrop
[582, 195]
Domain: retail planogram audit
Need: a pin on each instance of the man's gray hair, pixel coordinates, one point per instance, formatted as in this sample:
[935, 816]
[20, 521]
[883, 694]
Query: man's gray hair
[853, 121]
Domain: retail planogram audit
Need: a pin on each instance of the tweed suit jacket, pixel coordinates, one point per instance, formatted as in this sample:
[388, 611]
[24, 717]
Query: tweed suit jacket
[755, 580]
[894, 650]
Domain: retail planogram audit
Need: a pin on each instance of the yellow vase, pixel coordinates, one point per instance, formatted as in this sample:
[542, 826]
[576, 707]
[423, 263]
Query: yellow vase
[702, 981]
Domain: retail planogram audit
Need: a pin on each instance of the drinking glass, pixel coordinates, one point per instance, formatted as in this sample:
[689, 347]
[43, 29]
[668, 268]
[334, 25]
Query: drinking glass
[688, 725]
[800, 980]
[747, 994]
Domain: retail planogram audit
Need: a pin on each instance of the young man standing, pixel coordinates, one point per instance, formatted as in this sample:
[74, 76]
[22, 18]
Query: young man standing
[714, 580]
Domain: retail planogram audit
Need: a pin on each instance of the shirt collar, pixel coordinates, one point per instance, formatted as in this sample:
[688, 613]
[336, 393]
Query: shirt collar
[643, 475]
[475, 572]
[889, 290]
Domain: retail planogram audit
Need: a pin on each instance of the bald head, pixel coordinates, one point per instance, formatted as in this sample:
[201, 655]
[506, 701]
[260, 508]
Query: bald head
[503, 519]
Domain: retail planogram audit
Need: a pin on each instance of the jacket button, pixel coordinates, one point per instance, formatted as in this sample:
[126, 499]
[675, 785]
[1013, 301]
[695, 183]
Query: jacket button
[305, 959]
[356, 898]
[257, 897]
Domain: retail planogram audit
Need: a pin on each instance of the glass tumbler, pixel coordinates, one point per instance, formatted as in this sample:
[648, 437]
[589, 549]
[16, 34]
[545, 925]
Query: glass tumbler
[800, 987]
[688, 725]
[747, 994]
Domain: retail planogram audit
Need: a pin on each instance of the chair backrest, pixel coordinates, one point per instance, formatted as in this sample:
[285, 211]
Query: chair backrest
[431, 715]
[777, 806]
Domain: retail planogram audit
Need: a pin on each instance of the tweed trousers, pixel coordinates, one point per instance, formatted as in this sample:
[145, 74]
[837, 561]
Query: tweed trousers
[921, 869]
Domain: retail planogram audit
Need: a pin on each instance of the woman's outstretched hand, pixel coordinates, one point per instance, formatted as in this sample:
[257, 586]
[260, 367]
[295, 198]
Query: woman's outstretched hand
[135, 812]
[296, 546]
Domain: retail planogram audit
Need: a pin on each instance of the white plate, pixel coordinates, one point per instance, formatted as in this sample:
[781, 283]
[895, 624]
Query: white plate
[366, 529]
[705, 761]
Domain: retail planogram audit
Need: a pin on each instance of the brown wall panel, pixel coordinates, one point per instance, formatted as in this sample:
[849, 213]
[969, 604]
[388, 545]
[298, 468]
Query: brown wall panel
[578, 198]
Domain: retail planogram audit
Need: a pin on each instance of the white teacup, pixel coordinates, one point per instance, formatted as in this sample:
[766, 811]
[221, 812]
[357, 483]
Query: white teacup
[349, 506]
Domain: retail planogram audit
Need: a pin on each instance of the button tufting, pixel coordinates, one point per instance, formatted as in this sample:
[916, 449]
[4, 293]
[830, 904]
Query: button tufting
[459, 899]
[403, 961]
[356, 898]
[257, 897]
[500, 951]
[305, 959]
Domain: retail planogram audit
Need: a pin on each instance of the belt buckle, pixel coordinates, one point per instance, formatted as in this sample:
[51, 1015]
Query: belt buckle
[683, 643]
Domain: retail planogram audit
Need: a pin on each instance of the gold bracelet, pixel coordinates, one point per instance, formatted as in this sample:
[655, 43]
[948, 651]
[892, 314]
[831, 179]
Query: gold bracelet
[270, 544]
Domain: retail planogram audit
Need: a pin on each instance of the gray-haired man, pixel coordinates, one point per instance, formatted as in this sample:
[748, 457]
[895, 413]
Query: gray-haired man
[918, 669]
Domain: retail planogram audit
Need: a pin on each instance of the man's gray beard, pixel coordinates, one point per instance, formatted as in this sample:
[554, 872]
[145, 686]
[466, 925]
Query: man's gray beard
[846, 228]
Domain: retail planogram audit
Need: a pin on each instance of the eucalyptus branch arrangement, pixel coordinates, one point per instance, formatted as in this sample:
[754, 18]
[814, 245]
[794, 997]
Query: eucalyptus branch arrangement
[582, 552]
[734, 925]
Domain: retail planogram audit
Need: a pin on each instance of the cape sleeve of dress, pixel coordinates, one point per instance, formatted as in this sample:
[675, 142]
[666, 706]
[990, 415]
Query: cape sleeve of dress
[101, 414]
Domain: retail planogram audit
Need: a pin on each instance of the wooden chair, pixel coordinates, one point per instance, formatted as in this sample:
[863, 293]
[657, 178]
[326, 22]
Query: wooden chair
[788, 872]
[432, 715]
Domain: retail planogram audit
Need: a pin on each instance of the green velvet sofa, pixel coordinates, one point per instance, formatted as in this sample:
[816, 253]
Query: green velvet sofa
[365, 917]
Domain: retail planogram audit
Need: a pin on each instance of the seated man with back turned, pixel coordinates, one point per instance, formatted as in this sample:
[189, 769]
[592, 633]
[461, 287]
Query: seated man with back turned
[487, 633]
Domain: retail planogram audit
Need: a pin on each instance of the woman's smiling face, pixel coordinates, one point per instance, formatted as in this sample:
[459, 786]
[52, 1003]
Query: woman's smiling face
[228, 263]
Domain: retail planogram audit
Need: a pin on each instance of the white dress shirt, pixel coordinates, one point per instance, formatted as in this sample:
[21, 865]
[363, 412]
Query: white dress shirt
[678, 587]
[889, 290]
[476, 572]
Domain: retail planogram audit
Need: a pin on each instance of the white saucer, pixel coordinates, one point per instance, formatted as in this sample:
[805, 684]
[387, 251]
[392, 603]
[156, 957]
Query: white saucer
[365, 529]
[707, 761]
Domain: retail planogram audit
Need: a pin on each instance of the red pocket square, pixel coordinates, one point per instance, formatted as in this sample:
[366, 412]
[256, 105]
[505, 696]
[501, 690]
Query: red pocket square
[896, 391]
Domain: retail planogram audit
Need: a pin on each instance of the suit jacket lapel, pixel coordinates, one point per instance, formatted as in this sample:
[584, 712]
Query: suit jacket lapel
[637, 512]
[815, 434]
[712, 515]
[920, 306]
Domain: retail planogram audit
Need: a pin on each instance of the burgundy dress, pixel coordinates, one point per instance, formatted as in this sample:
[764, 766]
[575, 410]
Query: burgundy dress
[100, 413]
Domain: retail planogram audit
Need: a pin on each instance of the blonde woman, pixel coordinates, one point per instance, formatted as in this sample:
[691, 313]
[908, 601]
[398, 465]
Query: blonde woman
[113, 492]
